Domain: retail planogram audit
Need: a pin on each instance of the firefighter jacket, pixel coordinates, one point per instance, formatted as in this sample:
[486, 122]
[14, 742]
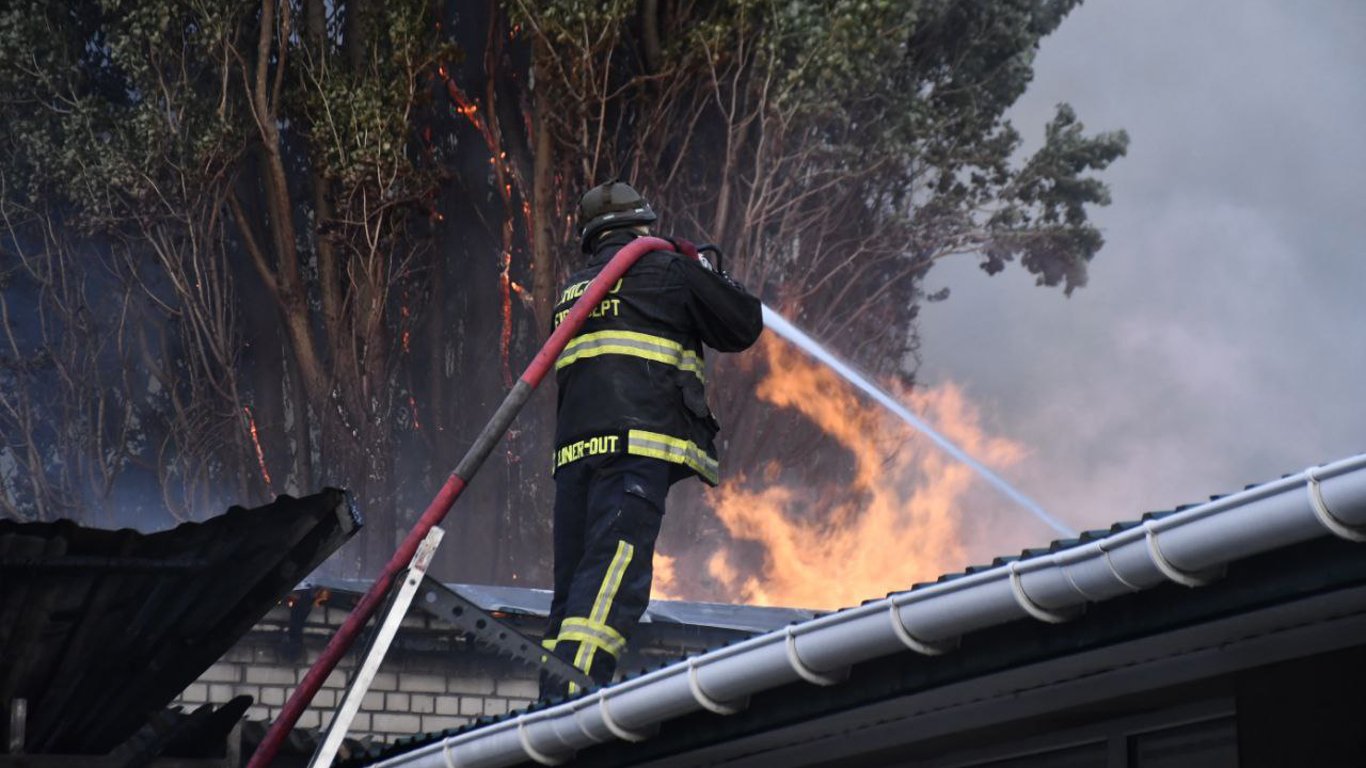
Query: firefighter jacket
[632, 381]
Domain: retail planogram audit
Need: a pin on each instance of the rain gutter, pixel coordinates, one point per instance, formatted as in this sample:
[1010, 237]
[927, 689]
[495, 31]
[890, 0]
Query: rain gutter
[1190, 547]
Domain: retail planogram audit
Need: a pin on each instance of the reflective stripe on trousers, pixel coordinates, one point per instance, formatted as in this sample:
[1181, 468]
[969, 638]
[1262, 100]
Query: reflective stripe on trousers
[593, 634]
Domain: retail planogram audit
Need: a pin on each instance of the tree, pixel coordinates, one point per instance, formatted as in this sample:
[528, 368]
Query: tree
[243, 176]
[837, 148]
[272, 244]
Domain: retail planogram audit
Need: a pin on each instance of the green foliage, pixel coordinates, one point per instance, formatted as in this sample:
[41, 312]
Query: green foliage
[359, 122]
[893, 107]
[1044, 222]
[567, 21]
[169, 153]
[106, 102]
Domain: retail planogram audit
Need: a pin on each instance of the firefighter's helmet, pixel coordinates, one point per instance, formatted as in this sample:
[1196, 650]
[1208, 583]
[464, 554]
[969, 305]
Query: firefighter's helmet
[610, 205]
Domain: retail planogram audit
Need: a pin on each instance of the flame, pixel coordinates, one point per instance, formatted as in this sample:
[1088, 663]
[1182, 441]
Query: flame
[895, 517]
[406, 335]
[464, 105]
[412, 403]
[665, 586]
[256, 441]
[505, 296]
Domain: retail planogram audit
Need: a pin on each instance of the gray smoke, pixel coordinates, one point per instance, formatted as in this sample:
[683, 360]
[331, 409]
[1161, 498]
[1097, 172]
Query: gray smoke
[1220, 340]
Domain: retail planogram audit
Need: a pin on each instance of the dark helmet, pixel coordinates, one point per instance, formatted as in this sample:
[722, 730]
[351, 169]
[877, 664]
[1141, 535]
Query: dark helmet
[614, 204]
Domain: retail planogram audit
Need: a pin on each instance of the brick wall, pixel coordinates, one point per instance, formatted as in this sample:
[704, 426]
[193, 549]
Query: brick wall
[430, 680]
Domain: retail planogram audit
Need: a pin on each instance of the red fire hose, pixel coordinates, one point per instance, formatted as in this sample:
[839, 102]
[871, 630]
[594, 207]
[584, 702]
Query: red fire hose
[436, 511]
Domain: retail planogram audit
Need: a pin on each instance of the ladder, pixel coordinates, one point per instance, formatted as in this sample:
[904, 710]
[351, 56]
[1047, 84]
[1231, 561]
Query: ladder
[445, 604]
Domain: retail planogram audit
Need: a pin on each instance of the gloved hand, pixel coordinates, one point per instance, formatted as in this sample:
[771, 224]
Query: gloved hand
[689, 250]
[684, 247]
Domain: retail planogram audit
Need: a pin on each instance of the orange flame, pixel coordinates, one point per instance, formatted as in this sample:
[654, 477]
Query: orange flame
[256, 441]
[666, 586]
[406, 335]
[895, 519]
[505, 336]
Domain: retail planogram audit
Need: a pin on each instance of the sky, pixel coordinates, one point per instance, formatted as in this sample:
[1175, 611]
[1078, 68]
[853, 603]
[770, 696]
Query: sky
[1222, 338]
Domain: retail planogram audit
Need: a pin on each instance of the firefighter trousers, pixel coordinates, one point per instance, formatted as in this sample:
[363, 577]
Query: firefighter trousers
[608, 511]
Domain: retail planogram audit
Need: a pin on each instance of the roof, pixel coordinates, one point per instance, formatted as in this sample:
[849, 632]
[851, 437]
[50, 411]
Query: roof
[99, 629]
[666, 624]
[1270, 545]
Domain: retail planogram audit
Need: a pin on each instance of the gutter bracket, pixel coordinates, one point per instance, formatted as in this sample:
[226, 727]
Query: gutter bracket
[532, 752]
[1179, 575]
[703, 698]
[911, 641]
[1330, 521]
[616, 728]
[1027, 603]
[1110, 563]
[807, 673]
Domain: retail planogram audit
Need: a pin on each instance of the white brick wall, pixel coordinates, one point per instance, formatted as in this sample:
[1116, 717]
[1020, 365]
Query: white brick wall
[421, 704]
[428, 683]
[514, 688]
[447, 705]
[470, 684]
[416, 691]
[270, 675]
[431, 723]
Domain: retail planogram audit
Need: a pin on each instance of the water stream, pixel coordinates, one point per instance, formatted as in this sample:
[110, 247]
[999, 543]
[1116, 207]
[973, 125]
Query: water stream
[780, 325]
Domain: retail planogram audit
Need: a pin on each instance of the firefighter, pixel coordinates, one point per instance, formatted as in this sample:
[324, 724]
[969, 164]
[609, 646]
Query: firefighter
[632, 419]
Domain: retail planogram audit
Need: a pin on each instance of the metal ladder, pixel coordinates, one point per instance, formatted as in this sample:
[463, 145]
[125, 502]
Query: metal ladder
[444, 603]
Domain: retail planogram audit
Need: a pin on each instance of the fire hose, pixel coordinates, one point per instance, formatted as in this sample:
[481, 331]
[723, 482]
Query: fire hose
[483, 445]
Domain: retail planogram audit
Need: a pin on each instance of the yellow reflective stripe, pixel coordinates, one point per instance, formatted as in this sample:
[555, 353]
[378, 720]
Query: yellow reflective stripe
[658, 446]
[589, 631]
[634, 344]
[611, 582]
[584, 661]
[636, 337]
[593, 633]
[688, 361]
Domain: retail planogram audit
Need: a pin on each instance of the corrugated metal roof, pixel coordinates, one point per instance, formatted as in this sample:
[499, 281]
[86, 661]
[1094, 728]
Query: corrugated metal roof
[100, 629]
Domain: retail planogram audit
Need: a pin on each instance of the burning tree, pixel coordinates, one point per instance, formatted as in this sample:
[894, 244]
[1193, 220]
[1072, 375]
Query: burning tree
[269, 244]
[837, 149]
